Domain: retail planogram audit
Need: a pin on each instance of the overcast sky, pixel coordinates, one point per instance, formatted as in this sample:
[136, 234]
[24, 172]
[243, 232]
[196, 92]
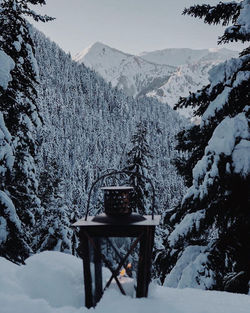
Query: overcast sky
[132, 26]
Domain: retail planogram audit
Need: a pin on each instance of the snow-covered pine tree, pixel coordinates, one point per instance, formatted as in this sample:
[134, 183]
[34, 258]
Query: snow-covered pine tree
[54, 232]
[138, 162]
[11, 232]
[210, 239]
[20, 117]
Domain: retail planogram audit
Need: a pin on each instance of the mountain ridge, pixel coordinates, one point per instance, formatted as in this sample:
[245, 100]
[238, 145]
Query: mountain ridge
[126, 71]
[99, 45]
[163, 74]
[193, 54]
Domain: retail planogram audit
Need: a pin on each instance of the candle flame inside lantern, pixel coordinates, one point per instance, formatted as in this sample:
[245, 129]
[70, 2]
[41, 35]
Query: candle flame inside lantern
[129, 265]
[122, 272]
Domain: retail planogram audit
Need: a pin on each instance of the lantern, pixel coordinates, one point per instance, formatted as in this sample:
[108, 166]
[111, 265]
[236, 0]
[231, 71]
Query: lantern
[117, 200]
[117, 221]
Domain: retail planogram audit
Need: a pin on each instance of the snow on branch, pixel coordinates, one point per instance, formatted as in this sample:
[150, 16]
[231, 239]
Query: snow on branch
[6, 66]
[186, 225]
[241, 28]
[230, 137]
[225, 13]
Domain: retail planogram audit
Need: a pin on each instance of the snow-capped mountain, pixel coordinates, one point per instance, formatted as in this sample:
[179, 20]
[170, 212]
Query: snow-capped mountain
[131, 73]
[164, 74]
[180, 56]
[191, 74]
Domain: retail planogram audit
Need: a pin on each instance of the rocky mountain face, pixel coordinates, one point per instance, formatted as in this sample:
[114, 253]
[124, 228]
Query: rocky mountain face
[164, 74]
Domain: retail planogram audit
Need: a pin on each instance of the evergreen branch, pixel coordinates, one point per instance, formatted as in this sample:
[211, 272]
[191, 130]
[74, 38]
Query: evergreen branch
[245, 52]
[200, 98]
[37, 17]
[24, 8]
[221, 13]
[234, 33]
[34, 2]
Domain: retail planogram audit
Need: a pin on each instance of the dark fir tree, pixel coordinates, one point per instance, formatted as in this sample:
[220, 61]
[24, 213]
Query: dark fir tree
[138, 162]
[209, 245]
[19, 201]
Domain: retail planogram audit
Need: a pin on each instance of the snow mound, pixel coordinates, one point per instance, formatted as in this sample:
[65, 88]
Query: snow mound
[188, 269]
[48, 281]
[52, 282]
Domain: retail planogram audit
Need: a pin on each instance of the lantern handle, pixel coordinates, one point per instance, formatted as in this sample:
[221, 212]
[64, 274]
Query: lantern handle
[116, 173]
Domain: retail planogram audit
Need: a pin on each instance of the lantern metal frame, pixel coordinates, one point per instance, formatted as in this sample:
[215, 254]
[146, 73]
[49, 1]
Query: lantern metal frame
[90, 232]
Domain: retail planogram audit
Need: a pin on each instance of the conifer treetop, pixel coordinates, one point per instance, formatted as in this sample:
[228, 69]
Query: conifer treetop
[22, 6]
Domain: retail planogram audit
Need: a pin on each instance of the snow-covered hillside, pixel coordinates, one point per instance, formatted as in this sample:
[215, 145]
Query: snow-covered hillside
[165, 74]
[187, 78]
[131, 73]
[52, 282]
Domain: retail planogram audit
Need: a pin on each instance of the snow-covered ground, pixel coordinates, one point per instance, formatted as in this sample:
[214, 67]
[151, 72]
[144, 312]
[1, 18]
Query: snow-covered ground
[52, 282]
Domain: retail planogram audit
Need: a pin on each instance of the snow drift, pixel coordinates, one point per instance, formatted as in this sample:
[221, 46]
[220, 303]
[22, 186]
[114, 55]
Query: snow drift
[52, 282]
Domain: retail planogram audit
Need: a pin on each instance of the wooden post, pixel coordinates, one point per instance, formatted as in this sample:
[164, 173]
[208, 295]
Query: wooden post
[144, 264]
[98, 271]
[86, 271]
